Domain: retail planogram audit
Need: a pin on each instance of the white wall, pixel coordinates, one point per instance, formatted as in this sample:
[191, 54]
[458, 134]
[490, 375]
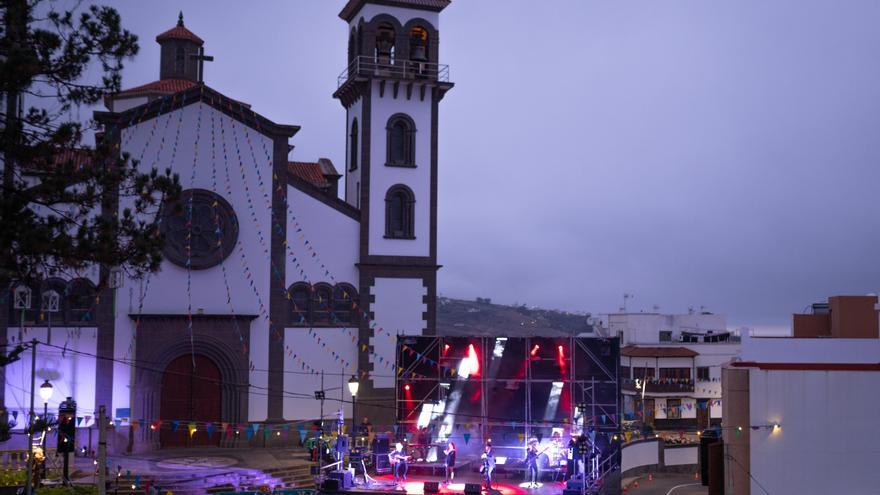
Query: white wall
[828, 442]
[638, 454]
[123, 104]
[680, 456]
[333, 235]
[382, 178]
[398, 310]
[71, 374]
[791, 350]
[305, 357]
[644, 328]
[237, 179]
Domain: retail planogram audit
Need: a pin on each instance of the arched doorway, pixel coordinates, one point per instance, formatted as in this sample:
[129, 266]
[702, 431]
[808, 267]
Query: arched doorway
[190, 394]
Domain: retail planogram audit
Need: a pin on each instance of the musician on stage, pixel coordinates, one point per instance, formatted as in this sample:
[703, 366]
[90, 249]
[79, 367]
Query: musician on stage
[571, 454]
[488, 468]
[532, 462]
[398, 462]
[450, 462]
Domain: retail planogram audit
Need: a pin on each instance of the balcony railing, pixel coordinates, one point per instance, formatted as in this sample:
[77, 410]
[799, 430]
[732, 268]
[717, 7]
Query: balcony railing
[365, 66]
[661, 386]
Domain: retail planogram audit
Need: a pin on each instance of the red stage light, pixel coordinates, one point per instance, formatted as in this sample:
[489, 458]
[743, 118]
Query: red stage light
[561, 351]
[406, 387]
[535, 350]
[473, 360]
[445, 349]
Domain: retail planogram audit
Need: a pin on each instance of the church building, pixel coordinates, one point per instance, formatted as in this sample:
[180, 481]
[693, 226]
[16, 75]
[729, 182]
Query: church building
[281, 278]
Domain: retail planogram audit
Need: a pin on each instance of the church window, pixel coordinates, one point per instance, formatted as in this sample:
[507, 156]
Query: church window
[399, 206]
[344, 299]
[319, 309]
[401, 141]
[418, 44]
[299, 303]
[59, 287]
[179, 61]
[81, 296]
[354, 149]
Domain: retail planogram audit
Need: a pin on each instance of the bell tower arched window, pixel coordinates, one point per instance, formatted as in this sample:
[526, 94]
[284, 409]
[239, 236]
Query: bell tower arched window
[299, 303]
[401, 141]
[354, 149]
[321, 303]
[385, 36]
[399, 213]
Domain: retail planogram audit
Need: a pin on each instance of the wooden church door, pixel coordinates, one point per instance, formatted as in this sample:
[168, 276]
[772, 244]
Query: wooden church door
[190, 395]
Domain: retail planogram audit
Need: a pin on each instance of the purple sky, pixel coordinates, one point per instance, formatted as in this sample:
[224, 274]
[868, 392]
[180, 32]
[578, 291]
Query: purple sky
[724, 154]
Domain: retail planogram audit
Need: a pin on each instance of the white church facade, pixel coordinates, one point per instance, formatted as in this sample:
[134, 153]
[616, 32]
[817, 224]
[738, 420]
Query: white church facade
[280, 277]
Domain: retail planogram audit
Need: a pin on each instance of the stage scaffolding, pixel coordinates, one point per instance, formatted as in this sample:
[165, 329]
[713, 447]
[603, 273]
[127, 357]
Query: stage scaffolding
[521, 388]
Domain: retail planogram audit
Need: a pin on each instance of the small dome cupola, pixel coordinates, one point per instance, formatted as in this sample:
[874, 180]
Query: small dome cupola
[179, 53]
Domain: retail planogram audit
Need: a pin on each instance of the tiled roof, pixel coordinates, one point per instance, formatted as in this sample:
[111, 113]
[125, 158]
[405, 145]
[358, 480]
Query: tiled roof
[77, 157]
[162, 86]
[654, 352]
[353, 6]
[309, 172]
[180, 32]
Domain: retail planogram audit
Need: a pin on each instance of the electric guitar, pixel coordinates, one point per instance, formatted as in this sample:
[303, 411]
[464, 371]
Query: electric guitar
[395, 459]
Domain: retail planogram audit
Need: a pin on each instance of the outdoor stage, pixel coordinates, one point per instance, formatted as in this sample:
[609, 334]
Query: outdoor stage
[415, 485]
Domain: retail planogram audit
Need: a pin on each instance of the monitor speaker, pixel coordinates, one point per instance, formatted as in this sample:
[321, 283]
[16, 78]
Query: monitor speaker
[330, 485]
[472, 488]
[432, 487]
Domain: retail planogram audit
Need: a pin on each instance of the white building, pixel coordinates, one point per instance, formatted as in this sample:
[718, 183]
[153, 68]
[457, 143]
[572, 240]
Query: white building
[270, 278]
[677, 359]
[801, 412]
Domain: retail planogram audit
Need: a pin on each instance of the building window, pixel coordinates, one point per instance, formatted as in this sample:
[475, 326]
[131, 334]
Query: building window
[625, 372]
[401, 132]
[673, 408]
[299, 303]
[321, 303]
[179, 61]
[399, 206]
[703, 373]
[675, 373]
[353, 150]
[80, 300]
[344, 300]
[665, 336]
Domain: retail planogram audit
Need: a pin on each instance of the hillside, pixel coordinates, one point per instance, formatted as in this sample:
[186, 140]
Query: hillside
[456, 317]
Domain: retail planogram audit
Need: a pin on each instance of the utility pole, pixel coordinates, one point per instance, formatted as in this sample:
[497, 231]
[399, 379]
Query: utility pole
[102, 452]
[30, 436]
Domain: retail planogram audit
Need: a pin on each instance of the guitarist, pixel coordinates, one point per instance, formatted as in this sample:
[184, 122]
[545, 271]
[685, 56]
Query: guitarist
[488, 468]
[398, 462]
[532, 462]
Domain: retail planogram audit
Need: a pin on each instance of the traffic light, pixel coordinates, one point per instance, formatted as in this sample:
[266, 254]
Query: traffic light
[67, 426]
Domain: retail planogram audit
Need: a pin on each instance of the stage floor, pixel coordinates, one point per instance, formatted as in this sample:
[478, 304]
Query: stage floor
[414, 485]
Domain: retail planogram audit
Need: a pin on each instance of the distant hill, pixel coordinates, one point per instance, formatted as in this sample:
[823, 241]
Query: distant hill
[456, 317]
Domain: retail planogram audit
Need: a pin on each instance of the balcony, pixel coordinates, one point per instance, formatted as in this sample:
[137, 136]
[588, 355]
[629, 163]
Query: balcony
[384, 67]
[661, 386]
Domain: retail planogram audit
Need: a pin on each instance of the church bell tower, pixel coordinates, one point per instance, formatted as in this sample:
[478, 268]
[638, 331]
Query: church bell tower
[391, 90]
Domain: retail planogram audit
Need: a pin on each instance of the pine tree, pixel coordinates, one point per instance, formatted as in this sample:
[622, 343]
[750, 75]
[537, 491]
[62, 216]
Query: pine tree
[59, 196]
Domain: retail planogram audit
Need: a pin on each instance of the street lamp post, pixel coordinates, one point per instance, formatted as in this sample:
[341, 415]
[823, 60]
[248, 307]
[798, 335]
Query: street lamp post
[353, 386]
[46, 394]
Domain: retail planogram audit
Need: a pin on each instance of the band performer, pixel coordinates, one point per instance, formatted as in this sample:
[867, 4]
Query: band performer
[532, 462]
[488, 468]
[450, 462]
[399, 463]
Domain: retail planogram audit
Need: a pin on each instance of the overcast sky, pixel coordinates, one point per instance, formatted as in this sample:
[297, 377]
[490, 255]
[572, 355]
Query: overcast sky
[724, 154]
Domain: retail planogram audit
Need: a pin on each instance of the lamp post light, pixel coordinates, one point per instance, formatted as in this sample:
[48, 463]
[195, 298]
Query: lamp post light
[353, 386]
[46, 394]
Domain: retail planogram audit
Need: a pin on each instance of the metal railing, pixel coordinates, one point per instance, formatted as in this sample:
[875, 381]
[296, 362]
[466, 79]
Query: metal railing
[366, 66]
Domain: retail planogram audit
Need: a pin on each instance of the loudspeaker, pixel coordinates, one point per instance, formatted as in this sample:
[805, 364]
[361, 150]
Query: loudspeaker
[472, 488]
[432, 487]
[574, 485]
[330, 485]
[381, 445]
[343, 477]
